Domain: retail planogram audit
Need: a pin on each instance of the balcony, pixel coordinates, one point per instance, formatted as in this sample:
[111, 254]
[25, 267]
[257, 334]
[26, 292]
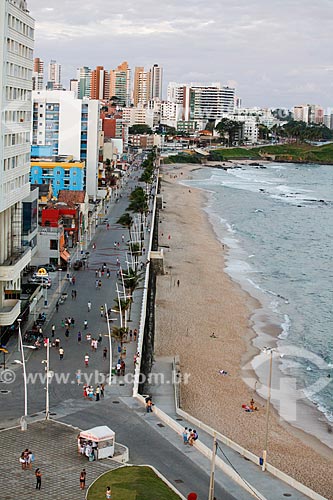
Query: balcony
[9, 311]
[14, 265]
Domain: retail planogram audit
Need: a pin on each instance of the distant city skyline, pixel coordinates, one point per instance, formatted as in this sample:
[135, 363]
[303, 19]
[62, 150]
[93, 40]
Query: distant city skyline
[275, 54]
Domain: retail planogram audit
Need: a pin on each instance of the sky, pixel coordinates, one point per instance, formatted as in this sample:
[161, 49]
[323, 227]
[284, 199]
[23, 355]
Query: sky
[277, 53]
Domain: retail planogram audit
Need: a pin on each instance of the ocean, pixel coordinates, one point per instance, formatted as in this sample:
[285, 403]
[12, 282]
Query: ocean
[276, 221]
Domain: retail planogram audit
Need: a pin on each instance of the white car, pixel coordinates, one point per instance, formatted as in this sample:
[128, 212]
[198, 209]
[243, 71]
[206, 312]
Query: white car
[41, 280]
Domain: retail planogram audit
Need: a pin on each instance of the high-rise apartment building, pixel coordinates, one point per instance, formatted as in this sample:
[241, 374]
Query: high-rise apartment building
[84, 77]
[120, 84]
[100, 84]
[74, 87]
[38, 74]
[141, 86]
[309, 113]
[54, 76]
[202, 102]
[69, 126]
[16, 50]
[155, 82]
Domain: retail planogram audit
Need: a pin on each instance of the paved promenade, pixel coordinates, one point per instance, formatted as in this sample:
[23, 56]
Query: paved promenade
[54, 446]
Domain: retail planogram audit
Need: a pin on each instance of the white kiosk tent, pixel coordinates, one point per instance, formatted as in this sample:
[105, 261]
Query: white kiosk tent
[104, 437]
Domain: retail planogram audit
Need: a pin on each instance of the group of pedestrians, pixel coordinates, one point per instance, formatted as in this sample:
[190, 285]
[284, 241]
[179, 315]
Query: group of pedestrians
[89, 392]
[26, 460]
[189, 436]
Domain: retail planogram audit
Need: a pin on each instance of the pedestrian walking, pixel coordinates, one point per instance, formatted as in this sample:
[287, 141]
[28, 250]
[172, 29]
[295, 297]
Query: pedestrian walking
[79, 336]
[108, 273]
[97, 393]
[62, 324]
[67, 333]
[73, 294]
[102, 387]
[149, 406]
[38, 476]
[96, 284]
[99, 284]
[83, 476]
[88, 337]
[89, 306]
[105, 353]
[61, 353]
[73, 322]
[53, 330]
[99, 273]
[78, 377]
[85, 323]
[101, 310]
[123, 238]
[178, 283]
[135, 334]
[86, 359]
[185, 435]
[108, 493]
[100, 338]
[57, 342]
[57, 306]
[22, 461]
[73, 280]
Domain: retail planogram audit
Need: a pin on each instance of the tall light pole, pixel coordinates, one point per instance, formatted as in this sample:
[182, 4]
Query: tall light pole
[48, 374]
[24, 371]
[269, 351]
[212, 470]
[110, 342]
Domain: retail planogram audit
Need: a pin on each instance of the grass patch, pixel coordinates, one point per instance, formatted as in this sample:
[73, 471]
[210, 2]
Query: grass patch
[285, 152]
[131, 483]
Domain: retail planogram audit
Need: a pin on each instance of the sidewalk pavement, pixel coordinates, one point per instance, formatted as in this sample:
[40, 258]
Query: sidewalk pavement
[54, 446]
[163, 396]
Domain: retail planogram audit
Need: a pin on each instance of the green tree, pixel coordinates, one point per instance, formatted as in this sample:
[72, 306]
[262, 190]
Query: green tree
[126, 221]
[140, 129]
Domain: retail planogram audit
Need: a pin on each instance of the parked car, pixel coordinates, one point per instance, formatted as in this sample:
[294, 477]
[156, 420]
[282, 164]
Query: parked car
[41, 280]
[50, 268]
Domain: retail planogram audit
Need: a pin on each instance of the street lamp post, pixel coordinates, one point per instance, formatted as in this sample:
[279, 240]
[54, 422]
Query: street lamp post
[24, 373]
[47, 371]
[110, 342]
[264, 453]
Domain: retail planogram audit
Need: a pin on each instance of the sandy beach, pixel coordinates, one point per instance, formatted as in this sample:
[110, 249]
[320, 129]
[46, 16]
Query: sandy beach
[208, 301]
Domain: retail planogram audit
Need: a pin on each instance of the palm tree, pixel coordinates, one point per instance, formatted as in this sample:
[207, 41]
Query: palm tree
[126, 221]
[118, 334]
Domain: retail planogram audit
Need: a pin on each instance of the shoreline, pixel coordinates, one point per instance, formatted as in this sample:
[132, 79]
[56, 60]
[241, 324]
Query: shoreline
[243, 347]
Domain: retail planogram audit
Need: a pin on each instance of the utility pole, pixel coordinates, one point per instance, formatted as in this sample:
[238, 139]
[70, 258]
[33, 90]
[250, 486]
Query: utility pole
[212, 470]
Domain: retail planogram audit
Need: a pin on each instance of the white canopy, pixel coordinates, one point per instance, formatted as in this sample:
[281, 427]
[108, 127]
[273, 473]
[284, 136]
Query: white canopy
[96, 434]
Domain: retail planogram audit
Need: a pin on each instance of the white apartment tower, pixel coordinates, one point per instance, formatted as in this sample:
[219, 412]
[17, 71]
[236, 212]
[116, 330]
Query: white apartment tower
[155, 82]
[16, 51]
[54, 76]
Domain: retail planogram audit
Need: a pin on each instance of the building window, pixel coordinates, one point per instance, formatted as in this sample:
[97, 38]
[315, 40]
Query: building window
[53, 244]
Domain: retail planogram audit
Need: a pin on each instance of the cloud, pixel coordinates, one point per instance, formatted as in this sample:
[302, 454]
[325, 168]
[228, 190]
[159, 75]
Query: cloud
[264, 46]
